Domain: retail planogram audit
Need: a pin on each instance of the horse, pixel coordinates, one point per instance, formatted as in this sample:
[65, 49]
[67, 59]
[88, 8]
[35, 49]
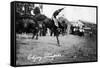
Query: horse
[27, 25]
[50, 24]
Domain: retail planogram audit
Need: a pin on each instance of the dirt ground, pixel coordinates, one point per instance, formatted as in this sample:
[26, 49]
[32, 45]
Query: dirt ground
[72, 49]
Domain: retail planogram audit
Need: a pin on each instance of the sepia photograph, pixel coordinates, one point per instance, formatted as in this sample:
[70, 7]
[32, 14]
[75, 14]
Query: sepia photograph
[54, 33]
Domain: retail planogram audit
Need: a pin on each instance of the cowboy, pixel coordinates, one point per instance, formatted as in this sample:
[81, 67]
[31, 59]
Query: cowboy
[55, 14]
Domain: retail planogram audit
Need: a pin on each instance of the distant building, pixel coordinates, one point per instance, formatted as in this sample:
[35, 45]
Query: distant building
[77, 24]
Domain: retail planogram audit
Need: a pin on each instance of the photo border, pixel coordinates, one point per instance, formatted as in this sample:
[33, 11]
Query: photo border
[13, 33]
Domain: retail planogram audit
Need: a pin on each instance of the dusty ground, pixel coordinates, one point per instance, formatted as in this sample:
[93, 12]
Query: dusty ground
[73, 49]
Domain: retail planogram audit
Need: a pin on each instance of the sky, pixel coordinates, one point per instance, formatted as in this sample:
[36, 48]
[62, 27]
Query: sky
[72, 13]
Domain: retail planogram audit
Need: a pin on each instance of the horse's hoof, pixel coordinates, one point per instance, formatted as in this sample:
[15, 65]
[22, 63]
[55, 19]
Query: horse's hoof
[36, 38]
[32, 38]
[59, 45]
